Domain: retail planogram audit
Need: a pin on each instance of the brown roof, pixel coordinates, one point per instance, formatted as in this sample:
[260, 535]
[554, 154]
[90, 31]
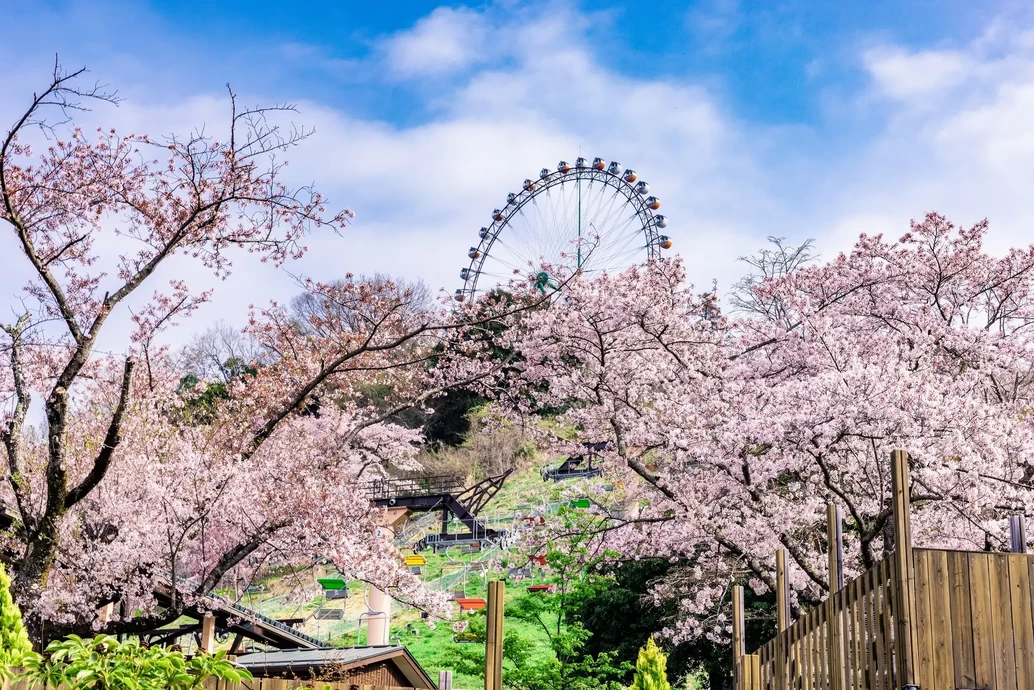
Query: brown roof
[345, 658]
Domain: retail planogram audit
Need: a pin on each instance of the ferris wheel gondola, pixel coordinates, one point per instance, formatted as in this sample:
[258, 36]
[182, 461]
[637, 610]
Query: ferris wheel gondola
[589, 217]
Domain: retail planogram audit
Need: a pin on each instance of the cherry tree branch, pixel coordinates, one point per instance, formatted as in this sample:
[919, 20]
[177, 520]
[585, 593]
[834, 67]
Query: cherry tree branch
[111, 442]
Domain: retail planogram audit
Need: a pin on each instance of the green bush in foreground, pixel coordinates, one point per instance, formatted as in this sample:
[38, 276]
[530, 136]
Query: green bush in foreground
[650, 673]
[14, 642]
[104, 663]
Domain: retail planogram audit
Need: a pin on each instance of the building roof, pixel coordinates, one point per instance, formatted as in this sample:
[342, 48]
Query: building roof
[347, 658]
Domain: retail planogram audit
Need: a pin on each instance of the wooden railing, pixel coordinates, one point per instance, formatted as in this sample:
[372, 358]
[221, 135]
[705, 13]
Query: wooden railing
[256, 684]
[920, 618]
[856, 651]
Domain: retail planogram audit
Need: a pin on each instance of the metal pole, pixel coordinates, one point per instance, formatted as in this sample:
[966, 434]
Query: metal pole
[1017, 534]
[835, 536]
[579, 223]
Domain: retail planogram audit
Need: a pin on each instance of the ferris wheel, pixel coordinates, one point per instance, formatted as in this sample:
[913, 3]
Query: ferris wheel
[591, 218]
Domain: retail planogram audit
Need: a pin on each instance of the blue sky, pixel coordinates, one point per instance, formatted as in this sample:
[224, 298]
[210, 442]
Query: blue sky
[798, 119]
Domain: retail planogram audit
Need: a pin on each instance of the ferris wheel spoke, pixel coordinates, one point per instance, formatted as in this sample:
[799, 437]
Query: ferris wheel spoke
[602, 227]
[519, 238]
[587, 217]
[620, 228]
[632, 244]
[498, 258]
[603, 218]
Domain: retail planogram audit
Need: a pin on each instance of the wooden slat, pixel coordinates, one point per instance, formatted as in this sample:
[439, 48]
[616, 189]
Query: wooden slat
[799, 661]
[814, 645]
[983, 624]
[843, 615]
[1001, 616]
[809, 655]
[872, 648]
[1022, 624]
[888, 624]
[754, 672]
[880, 672]
[840, 614]
[940, 607]
[834, 647]
[795, 668]
[822, 648]
[961, 620]
[924, 648]
[856, 632]
[865, 581]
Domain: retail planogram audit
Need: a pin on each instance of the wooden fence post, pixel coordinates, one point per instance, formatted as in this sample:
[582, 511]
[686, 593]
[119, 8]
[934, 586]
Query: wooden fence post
[208, 634]
[904, 571]
[104, 612]
[782, 620]
[1017, 534]
[445, 680]
[737, 638]
[494, 638]
[835, 541]
[782, 592]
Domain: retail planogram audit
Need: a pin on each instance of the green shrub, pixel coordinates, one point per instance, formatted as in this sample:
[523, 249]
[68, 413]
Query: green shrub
[14, 642]
[104, 663]
[650, 671]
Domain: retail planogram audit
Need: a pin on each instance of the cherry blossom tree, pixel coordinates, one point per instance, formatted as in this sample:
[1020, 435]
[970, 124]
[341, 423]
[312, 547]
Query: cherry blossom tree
[125, 487]
[738, 429]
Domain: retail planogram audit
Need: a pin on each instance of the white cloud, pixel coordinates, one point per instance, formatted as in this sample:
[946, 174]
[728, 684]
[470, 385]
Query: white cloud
[955, 138]
[958, 137]
[445, 41]
[904, 75]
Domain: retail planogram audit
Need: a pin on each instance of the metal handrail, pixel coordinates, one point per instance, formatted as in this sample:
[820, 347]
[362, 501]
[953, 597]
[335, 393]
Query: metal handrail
[399, 488]
[251, 614]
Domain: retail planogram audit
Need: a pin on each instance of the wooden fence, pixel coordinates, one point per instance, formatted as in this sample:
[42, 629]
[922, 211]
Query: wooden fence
[256, 684]
[921, 618]
[861, 640]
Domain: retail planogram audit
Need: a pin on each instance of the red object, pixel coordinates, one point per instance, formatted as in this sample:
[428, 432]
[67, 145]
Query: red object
[541, 560]
[475, 604]
[541, 588]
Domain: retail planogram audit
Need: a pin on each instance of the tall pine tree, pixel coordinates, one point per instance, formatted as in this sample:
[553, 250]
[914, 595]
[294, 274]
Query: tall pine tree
[14, 642]
[650, 668]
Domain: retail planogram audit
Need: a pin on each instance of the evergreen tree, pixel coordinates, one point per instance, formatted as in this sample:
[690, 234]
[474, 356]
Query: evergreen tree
[650, 668]
[14, 642]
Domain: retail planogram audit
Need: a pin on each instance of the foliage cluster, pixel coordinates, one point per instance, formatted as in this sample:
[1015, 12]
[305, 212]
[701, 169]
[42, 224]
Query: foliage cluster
[14, 642]
[104, 663]
[615, 605]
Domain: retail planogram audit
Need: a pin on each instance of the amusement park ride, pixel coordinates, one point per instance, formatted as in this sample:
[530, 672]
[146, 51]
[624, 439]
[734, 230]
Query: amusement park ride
[572, 467]
[447, 494]
[591, 218]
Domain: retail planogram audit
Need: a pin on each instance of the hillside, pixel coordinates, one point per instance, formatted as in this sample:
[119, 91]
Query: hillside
[282, 595]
